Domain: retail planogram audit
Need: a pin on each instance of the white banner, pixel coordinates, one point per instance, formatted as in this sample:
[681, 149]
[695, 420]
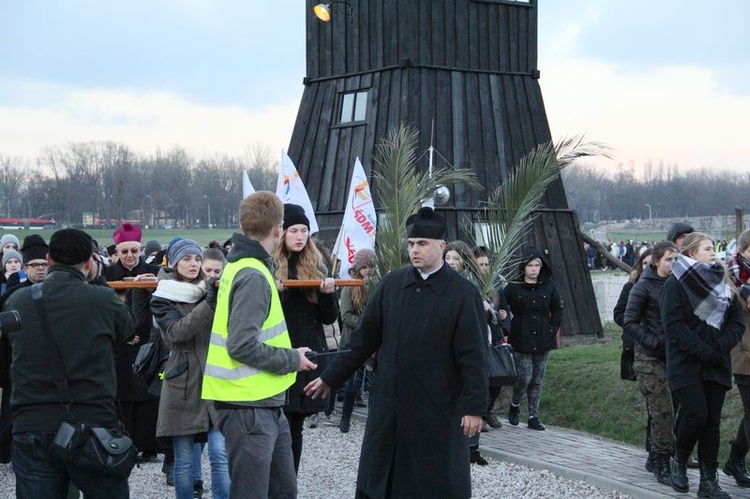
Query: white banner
[360, 221]
[290, 189]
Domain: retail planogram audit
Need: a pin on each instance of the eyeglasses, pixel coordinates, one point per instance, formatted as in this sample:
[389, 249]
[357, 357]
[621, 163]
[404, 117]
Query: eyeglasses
[132, 251]
[40, 265]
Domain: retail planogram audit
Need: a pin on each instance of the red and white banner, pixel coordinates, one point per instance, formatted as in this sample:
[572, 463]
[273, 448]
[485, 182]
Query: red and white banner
[360, 221]
[290, 189]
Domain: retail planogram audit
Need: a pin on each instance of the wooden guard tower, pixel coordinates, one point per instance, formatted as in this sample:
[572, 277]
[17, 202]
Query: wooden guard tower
[465, 69]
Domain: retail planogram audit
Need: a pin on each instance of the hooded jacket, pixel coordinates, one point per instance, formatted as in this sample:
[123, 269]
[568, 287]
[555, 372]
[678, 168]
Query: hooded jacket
[249, 303]
[536, 309]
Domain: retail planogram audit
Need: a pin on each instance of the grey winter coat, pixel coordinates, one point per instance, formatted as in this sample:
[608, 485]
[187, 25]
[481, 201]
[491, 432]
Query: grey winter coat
[186, 330]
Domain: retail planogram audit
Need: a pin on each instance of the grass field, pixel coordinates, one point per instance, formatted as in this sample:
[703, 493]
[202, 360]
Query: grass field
[582, 387]
[583, 391]
[104, 236]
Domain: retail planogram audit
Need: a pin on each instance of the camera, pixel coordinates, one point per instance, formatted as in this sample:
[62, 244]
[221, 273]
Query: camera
[10, 321]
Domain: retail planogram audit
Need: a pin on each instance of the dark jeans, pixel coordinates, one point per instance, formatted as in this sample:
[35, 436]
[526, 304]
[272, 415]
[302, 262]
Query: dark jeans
[743, 432]
[700, 414]
[351, 390]
[41, 474]
[296, 426]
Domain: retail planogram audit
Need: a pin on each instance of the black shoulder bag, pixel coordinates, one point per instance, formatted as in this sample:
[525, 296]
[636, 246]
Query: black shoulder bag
[92, 448]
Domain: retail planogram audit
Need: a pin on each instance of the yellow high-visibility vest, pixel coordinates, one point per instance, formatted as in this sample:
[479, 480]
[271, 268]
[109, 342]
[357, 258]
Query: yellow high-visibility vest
[227, 380]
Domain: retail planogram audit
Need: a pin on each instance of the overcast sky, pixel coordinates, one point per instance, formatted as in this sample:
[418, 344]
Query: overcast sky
[664, 80]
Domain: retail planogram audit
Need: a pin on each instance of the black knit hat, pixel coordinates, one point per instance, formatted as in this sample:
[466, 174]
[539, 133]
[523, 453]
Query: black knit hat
[70, 246]
[34, 248]
[295, 214]
[425, 224]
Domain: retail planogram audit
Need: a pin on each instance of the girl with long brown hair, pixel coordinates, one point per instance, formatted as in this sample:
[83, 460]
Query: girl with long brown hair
[305, 312]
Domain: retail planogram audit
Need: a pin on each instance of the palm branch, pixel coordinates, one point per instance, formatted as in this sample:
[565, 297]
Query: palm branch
[512, 207]
[401, 189]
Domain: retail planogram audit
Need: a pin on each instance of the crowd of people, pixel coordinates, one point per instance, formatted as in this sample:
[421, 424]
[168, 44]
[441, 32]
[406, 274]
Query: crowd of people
[629, 251]
[237, 345]
[683, 312]
[242, 370]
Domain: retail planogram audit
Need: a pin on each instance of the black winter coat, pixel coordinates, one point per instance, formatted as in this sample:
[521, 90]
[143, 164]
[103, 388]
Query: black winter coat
[697, 352]
[536, 309]
[431, 339]
[643, 318]
[129, 387]
[628, 342]
[304, 321]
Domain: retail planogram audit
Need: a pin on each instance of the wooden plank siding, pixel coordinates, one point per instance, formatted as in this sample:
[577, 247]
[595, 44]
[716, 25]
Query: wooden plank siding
[467, 66]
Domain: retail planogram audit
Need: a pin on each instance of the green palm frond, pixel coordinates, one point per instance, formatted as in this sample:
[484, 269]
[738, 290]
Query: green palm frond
[400, 191]
[512, 207]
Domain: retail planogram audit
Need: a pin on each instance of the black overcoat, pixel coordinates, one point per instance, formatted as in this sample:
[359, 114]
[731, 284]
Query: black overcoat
[304, 321]
[129, 387]
[697, 352]
[431, 339]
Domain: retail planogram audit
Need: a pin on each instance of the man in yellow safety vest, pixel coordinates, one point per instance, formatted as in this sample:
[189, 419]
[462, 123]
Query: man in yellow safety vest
[250, 361]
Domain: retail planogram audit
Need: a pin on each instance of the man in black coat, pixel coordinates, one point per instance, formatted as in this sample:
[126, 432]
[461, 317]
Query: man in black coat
[427, 324]
[78, 314]
[140, 408]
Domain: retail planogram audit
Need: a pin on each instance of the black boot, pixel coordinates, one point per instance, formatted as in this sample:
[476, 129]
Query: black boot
[735, 467]
[344, 424]
[678, 476]
[514, 414]
[709, 486]
[650, 462]
[475, 457]
[661, 470]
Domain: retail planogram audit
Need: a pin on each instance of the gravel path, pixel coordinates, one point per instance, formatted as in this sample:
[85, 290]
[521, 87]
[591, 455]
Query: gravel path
[329, 471]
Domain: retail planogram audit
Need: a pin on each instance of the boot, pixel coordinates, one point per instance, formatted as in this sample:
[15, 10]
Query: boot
[492, 420]
[514, 415]
[535, 424]
[650, 462]
[678, 476]
[475, 457]
[344, 424]
[709, 485]
[661, 470]
[735, 467]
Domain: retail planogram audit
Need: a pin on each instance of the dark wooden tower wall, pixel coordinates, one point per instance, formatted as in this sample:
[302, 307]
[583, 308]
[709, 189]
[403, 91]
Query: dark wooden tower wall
[467, 66]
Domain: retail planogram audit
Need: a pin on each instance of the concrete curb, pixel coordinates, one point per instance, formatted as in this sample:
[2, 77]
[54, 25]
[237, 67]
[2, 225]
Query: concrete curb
[604, 483]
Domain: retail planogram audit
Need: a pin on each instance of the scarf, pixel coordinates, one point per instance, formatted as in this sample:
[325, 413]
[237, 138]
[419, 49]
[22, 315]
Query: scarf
[709, 294]
[182, 292]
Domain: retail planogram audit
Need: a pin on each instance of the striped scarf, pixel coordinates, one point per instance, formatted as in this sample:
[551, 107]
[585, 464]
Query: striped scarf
[708, 292]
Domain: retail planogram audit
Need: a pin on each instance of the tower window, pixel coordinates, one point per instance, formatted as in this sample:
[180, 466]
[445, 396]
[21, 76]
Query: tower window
[353, 106]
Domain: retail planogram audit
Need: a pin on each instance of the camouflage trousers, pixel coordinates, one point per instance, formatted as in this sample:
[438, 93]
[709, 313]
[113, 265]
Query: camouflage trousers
[652, 381]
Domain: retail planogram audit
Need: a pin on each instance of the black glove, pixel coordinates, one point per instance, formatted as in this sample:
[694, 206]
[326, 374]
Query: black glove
[212, 291]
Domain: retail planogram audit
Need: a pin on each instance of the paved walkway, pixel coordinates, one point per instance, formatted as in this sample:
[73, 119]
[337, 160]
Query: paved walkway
[609, 465]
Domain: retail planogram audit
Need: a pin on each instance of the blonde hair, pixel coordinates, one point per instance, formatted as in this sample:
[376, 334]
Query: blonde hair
[692, 243]
[310, 265]
[743, 242]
